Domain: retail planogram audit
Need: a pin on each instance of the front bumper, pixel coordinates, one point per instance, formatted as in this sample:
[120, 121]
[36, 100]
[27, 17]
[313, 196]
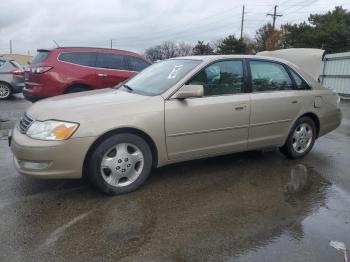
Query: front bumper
[49, 159]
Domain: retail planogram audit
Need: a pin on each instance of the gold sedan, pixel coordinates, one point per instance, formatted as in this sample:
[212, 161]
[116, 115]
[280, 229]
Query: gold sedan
[175, 110]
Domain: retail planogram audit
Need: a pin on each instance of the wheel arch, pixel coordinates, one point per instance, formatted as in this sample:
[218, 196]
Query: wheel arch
[124, 130]
[75, 85]
[314, 118]
[7, 83]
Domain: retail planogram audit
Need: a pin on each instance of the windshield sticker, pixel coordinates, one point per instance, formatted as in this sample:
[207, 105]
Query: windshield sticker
[175, 71]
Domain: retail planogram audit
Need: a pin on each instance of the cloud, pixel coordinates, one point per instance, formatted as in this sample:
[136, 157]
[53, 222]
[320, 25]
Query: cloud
[134, 24]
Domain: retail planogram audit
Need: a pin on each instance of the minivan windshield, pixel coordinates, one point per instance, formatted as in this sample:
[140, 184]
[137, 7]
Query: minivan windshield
[160, 76]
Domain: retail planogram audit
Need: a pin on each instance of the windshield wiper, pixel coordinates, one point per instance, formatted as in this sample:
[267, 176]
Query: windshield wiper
[128, 87]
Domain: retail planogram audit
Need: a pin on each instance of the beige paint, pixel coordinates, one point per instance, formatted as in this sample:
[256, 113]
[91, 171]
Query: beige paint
[182, 129]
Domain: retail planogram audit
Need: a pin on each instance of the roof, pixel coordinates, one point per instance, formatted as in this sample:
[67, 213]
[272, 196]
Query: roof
[209, 58]
[91, 48]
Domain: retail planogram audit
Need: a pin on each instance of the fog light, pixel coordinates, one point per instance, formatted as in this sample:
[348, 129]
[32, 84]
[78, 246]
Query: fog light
[33, 165]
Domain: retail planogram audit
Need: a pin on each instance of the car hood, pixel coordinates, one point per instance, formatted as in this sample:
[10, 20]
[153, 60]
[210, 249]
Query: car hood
[89, 104]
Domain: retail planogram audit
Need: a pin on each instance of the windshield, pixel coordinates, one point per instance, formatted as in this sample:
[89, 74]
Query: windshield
[159, 77]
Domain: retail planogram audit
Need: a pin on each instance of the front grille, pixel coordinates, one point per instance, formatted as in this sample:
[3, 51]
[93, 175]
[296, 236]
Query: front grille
[24, 123]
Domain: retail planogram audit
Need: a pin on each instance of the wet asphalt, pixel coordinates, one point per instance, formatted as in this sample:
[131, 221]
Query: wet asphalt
[253, 206]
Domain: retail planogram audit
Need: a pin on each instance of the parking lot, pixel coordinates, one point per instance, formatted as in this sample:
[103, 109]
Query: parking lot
[253, 206]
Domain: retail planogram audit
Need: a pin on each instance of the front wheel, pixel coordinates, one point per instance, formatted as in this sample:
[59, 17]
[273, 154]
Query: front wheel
[301, 138]
[120, 164]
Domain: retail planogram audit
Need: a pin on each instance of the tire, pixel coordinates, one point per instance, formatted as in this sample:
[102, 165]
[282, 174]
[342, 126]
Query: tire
[300, 142]
[5, 91]
[76, 89]
[120, 164]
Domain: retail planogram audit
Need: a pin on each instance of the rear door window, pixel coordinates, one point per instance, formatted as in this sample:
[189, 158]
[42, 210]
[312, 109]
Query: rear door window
[79, 58]
[137, 64]
[111, 61]
[269, 76]
[40, 56]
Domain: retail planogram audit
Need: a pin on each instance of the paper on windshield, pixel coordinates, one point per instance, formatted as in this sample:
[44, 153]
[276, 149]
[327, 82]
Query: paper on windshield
[175, 71]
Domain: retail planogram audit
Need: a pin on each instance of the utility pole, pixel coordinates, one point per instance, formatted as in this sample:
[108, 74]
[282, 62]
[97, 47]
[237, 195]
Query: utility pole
[111, 43]
[274, 16]
[242, 22]
[10, 46]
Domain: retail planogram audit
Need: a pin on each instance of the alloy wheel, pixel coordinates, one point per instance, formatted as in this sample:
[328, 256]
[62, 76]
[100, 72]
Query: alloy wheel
[4, 91]
[122, 164]
[302, 138]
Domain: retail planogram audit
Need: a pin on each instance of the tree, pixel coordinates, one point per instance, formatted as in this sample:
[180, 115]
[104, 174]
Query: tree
[168, 49]
[183, 49]
[231, 45]
[202, 49]
[330, 31]
[267, 38]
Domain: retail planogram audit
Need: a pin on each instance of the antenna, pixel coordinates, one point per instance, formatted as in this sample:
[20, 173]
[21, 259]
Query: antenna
[56, 43]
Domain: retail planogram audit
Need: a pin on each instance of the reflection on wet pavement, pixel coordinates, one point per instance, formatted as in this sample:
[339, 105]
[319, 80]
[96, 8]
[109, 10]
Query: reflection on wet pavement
[214, 209]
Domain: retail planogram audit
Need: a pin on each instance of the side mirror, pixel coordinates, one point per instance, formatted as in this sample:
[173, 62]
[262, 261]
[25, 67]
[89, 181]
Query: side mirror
[188, 91]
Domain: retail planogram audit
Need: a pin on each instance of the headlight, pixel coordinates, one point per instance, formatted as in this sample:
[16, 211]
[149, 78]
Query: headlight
[51, 130]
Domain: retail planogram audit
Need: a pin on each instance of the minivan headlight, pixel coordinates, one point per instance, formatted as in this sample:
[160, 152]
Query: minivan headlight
[52, 130]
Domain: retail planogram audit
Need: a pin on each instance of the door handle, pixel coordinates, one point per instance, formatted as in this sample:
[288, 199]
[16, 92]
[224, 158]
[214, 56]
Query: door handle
[295, 102]
[101, 75]
[240, 107]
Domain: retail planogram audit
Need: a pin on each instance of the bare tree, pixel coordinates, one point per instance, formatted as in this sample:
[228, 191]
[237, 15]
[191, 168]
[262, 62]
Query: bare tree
[183, 49]
[167, 50]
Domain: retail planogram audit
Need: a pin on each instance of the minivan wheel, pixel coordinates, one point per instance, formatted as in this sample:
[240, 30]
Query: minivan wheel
[5, 91]
[301, 138]
[120, 164]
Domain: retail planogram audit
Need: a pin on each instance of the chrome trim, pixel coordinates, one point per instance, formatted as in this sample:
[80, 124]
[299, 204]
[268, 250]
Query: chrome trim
[207, 131]
[272, 122]
[25, 123]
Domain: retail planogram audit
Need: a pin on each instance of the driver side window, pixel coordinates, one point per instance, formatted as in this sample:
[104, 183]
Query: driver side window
[221, 78]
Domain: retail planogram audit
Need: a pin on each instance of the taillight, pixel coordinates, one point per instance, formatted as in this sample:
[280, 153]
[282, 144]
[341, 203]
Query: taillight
[17, 72]
[40, 69]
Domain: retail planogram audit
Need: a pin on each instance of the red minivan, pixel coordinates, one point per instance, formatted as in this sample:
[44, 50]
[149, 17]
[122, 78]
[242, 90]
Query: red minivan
[65, 70]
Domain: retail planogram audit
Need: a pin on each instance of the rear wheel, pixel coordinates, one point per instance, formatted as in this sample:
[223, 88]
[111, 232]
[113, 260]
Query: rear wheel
[5, 91]
[301, 139]
[120, 164]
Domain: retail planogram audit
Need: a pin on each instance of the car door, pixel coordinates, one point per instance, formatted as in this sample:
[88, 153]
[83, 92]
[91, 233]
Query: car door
[274, 103]
[215, 123]
[111, 69]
